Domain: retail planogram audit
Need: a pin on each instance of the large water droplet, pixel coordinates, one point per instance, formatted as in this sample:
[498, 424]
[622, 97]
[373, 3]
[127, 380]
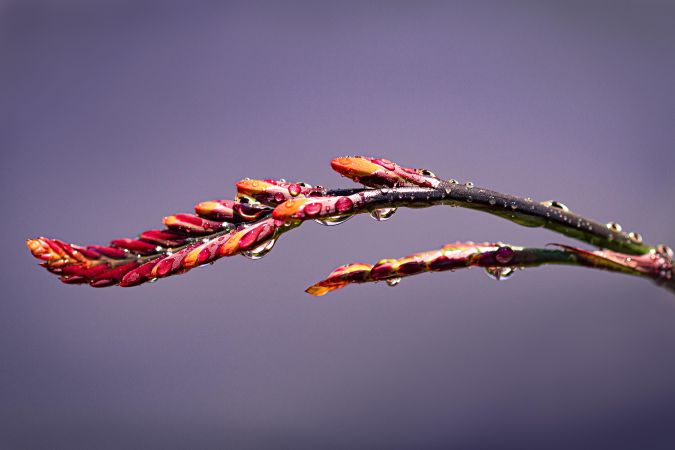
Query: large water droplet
[331, 221]
[393, 281]
[382, 214]
[492, 200]
[259, 251]
[500, 273]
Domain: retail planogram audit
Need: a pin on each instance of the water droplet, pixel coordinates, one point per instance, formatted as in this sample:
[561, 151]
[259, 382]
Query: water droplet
[152, 280]
[312, 209]
[614, 226]
[469, 199]
[635, 237]
[514, 205]
[492, 200]
[259, 251]
[528, 199]
[382, 214]
[294, 190]
[664, 250]
[393, 281]
[556, 204]
[504, 254]
[468, 184]
[453, 181]
[344, 204]
[331, 221]
[500, 273]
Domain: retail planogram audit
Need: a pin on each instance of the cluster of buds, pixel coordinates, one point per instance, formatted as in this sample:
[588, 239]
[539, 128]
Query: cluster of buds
[263, 210]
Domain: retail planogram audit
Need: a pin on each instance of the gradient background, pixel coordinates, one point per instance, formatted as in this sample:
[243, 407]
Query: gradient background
[116, 113]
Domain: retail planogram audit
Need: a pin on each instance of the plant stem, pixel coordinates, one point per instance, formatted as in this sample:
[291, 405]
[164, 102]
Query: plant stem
[516, 209]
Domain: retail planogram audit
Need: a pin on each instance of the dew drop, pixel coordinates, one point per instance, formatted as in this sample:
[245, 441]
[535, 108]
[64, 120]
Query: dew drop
[504, 254]
[492, 200]
[664, 250]
[635, 237]
[453, 181]
[259, 251]
[469, 199]
[500, 273]
[152, 280]
[514, 205]
[331, 221]
[556, 204]
[382, 214]
[393, 281]
[468, 184]
[614, 226]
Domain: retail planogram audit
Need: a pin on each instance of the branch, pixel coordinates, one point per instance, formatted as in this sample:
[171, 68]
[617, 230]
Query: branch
[500, 262]
[265, 209]
[430, 190]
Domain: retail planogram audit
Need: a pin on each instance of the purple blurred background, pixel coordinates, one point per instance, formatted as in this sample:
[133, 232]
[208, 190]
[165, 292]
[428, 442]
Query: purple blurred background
[116, 113]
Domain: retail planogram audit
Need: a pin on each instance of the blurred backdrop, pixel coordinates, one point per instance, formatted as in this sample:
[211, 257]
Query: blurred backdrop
[116, 113]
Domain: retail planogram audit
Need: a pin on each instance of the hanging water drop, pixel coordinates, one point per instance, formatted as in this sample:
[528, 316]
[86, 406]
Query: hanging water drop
[492, 201]
[332, 221]
[259, 251]
[393, 281]
[500, 273]
[382, 214]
